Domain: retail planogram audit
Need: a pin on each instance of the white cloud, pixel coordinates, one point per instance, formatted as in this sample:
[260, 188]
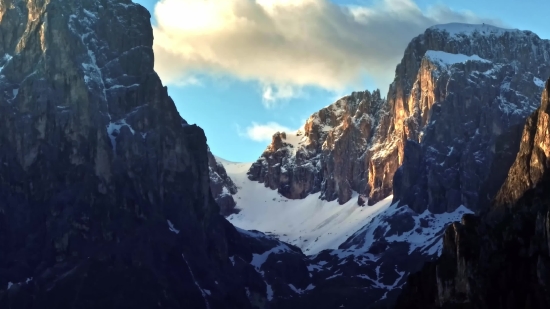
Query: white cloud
[288, 44]
[188, 81]
[262, 132]
[274, 94]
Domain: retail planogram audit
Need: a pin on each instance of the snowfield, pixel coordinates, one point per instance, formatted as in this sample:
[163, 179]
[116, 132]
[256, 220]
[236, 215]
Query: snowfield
[315, 225]
[311, 224]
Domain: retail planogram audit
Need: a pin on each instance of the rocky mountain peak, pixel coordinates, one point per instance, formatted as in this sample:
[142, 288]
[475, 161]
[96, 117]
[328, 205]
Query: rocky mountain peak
[459, 91]
[295, 162]
[478, 87]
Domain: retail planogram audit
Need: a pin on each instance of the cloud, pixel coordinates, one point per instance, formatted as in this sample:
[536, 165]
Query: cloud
[275, 94]
[288, 44]
[262, 132]
[188, 81]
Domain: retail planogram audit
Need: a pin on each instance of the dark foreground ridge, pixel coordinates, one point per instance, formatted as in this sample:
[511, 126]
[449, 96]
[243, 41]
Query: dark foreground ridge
[104, 189]
[500, 259]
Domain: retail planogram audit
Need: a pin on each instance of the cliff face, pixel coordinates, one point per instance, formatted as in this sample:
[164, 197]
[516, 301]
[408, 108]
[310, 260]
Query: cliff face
[105, 198]
[460, 96]
[327, 154]
[476, 107]
[221, 186]
[501, 259]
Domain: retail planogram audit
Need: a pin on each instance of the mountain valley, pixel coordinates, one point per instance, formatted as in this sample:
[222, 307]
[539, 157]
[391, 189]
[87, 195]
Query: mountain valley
[110, 199]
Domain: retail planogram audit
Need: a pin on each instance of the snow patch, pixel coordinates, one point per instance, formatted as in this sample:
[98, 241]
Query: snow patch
[269, 291]
[300, 291]
[259, 259]
[538, 82]
[425, 236]
[203, 292]
[171, 227]
[448, 59]
[7, 58]
[113, 129]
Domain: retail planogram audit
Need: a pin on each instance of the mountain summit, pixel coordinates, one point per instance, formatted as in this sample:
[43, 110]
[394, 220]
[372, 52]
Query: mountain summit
[460, 91]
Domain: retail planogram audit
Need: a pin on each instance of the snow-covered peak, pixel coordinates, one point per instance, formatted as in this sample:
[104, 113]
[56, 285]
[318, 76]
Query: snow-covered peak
[455, 29]
[449, 59]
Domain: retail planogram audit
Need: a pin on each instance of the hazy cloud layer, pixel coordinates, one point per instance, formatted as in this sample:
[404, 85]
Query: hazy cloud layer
[262, 132]
[287, 44]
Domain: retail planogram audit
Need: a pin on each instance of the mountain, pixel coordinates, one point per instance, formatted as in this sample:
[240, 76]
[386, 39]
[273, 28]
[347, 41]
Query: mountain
[458, 89]
[317, 157]
[106, 197]
[105, 192]
[442, 142]
[500, 259]
[471, 111]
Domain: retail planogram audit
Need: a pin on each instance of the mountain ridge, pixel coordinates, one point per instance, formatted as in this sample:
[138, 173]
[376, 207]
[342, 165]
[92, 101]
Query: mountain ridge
[447, 132]
[401, 116]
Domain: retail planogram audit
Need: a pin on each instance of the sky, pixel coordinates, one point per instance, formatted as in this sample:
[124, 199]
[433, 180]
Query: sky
[245, 69]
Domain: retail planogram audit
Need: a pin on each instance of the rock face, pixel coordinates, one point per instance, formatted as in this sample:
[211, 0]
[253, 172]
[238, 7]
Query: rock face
[470, 110]
[221, 186]
[105, 197]
[452, 115]
[327, 154]
[501, 259]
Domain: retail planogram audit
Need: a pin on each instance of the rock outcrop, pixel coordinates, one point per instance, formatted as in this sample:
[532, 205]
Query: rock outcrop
[221, 186]
[501, 259]
[327, 154]
[469, 90]
[457, 103]
[105, 194]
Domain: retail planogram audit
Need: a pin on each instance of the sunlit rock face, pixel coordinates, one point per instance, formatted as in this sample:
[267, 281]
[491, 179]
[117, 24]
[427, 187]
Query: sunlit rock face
[501, 259]
[327, 154]
[461, 94]
[471, 96]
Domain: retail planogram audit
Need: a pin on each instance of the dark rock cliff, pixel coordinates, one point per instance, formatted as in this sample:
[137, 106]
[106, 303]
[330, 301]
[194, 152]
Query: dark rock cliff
[500, 259]
[105, 198]
[221, 186]
[472, 113]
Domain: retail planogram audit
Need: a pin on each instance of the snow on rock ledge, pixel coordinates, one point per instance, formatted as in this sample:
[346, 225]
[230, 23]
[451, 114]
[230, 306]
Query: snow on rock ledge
[455, 29]
[448, 59]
